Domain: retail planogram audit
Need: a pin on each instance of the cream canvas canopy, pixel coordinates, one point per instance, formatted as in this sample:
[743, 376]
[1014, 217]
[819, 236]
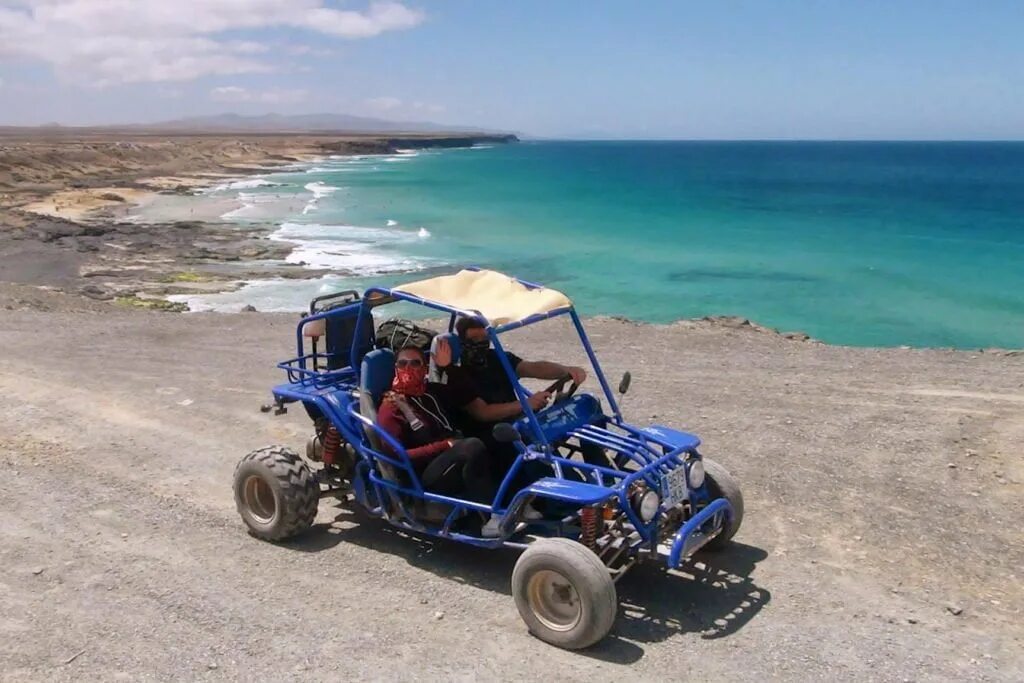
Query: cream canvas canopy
[499, 298]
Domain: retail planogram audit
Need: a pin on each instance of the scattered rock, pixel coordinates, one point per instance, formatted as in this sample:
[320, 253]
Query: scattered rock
[96, 292]
[248, 308]
[971, 453]
[438, 616]
[112, 197]
[951, 465]
[912, 620]
[955, 610]
[38, 570]
[124, 535]
[797, 336]
[211, 666]
[727, 321]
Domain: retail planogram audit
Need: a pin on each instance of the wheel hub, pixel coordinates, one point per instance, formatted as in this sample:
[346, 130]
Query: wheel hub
[259, 498]
[554, 600]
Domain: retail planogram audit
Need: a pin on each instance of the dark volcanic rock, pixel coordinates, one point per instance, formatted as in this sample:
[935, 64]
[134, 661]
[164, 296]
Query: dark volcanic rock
[96, 292]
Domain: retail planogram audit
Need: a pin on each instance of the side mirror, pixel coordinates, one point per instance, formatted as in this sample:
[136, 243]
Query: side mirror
[624, 383]
[505, 433]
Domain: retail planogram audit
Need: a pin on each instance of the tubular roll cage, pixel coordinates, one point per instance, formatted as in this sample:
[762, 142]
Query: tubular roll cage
[654, 456]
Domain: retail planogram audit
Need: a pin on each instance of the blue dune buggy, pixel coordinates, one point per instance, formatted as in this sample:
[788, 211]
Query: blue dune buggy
[655, 497]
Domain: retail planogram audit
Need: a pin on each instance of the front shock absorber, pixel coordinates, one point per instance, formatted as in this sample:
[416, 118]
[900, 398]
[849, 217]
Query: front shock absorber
[331, 440]
[588, 526]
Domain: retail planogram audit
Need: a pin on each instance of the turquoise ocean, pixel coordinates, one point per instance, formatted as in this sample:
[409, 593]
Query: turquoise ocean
[858, 243]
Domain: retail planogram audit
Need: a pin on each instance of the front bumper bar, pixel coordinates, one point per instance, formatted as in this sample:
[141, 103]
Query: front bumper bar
[693, 536]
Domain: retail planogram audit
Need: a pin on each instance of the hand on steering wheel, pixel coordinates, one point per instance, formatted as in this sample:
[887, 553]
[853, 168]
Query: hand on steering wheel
[557, 388]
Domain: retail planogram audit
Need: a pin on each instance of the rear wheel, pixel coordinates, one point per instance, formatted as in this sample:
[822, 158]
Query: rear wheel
[276, 494]
[564, 593]
[721, 484]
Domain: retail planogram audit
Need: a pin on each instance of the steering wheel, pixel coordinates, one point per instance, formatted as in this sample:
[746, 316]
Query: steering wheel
[558, 389]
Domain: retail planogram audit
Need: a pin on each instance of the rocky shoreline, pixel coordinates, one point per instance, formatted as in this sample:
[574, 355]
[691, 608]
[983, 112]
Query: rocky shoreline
[64, 201]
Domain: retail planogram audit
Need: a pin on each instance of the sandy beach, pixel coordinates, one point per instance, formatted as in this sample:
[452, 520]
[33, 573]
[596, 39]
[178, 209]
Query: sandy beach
[884, 487]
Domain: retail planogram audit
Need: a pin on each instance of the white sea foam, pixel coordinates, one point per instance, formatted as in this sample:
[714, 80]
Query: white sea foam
[350, 248]
[245, 184]
[320, 189]
[392, 223]
[251, 203]
[407, 152]
[423, 233]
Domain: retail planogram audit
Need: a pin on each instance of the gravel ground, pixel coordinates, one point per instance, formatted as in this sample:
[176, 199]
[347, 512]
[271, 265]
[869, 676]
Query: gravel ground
[882, 538]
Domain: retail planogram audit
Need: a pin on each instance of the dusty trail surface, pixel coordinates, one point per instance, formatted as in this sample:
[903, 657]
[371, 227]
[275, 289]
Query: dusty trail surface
[883, 492]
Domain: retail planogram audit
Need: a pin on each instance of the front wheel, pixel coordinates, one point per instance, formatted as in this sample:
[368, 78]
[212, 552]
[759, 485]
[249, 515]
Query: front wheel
[564, 593]
[721, 484]
[276, 494]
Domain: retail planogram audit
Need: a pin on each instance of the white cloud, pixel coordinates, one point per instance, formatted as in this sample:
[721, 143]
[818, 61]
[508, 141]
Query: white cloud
[102, 42]
[234, 93]
[428, 107]
[384, 103]
[399, 107]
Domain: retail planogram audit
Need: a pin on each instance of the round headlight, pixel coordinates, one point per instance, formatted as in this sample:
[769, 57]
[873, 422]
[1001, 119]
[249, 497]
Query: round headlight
[648, 507]
[695, 474]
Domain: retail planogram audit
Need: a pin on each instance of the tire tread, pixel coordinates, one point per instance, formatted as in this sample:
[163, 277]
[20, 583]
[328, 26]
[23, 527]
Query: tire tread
[300, 493]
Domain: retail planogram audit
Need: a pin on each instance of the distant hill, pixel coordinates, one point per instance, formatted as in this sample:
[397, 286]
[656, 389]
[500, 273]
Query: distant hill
[278, 123]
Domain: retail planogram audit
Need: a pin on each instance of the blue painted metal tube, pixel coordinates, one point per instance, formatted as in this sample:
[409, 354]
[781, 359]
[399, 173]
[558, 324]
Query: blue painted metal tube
[576, 464]
[594, 363]
[537, 317]
[405, 463]
[411, 298]
[689, 539]
[538, 433]
[319, 316]
[639, 444]
[427, 495]
[629, 454]
[506, 483]
[598, 439]
[622, 442]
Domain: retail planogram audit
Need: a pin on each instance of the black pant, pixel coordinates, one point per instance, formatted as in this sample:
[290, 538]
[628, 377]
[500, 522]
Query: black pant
[463, 469]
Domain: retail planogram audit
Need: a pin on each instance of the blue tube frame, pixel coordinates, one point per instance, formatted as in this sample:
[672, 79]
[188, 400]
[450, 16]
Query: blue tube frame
[331, 392]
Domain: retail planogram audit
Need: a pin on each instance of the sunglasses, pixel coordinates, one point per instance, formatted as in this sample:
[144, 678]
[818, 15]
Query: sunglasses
[409, 363]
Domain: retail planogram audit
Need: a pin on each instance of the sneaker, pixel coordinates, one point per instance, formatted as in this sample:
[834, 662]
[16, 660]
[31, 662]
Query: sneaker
[492, 528]
[531, 514]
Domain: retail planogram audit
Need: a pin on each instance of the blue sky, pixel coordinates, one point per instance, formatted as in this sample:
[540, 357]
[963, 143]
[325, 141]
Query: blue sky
[662, 69]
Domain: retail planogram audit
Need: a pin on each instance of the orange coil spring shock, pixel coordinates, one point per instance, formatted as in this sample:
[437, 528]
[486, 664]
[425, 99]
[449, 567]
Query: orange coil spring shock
[331, 443]
[588, 526]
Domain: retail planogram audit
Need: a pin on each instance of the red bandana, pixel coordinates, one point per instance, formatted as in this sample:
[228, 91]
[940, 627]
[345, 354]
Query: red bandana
[410, 381]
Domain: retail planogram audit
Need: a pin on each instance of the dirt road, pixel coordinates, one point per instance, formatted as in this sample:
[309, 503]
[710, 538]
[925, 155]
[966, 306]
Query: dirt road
[882, 539]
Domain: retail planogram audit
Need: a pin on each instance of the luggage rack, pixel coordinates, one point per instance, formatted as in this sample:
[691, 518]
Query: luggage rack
[311, 370]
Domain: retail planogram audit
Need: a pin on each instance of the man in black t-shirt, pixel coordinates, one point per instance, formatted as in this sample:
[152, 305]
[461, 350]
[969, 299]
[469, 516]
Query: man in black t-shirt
[482, 364]
[482, 370]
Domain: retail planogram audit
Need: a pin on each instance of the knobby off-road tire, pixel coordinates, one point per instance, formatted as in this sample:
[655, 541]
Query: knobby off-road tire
[721, 484]
[564, 593]
[275, 493]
